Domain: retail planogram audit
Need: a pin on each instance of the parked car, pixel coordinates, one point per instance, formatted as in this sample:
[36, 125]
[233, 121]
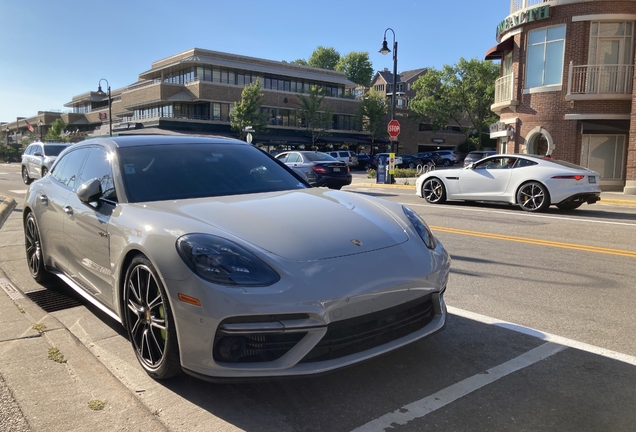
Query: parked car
[396, 161]
[474, 156]
[218, 261]
[319, 168]
[445, 157]
[366, 161]
[530, 181]
[412, 161]
[350, 158]
[38, 159]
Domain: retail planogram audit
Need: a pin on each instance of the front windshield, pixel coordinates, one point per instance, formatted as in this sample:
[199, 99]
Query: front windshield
[180, 171]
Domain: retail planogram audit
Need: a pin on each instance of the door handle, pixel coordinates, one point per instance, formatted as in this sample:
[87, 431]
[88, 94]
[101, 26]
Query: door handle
[68, 210]
[44, 199]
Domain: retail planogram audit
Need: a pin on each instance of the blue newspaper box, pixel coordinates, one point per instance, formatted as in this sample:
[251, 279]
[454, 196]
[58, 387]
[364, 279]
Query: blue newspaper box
[381, 176]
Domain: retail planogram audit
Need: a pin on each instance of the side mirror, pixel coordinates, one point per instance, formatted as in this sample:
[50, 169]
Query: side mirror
[38, 154]
[90, 191]
[470, 165]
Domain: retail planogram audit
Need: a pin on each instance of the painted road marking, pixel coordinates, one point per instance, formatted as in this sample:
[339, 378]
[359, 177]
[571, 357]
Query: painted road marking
[422, 407]
[609, 251]
[553, 345]
[21, 191]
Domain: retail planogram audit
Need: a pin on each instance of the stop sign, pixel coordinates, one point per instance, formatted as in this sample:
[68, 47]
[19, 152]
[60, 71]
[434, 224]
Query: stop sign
[394, 128]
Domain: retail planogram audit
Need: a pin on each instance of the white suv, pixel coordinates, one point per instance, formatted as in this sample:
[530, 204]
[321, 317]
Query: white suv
[38, 158]
[347, 157]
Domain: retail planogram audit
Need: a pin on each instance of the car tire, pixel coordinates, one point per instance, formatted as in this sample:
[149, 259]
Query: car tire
[149, 322]
[33, 245]
[447, 162]
[25, 176]
[572, 205]
[533, 197]
[433, 191]
[412, 165]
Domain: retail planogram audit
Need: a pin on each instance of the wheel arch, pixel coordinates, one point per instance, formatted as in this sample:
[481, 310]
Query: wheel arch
[525, 182]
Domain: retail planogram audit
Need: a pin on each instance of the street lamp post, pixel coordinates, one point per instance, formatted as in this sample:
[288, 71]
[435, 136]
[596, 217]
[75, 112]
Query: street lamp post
[110, 103]
[385, 50]
[40, 123]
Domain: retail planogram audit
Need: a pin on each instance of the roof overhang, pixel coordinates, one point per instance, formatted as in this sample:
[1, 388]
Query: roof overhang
[497, 52]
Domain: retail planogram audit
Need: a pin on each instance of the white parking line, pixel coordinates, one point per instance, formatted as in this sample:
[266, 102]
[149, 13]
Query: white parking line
[19, 192]
[553, 345]
[422, 407]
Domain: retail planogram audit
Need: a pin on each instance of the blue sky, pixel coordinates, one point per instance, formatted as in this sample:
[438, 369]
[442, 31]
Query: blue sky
[51, 51]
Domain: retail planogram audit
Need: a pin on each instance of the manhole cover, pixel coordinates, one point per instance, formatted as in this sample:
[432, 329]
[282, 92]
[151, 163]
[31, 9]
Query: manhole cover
[52, 301]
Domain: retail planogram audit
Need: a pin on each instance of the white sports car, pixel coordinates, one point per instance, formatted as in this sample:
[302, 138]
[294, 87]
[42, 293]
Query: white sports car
[533, 182]
[220, 261]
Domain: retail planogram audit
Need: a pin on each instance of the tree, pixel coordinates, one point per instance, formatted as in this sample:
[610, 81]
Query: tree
[314, 118]
[247, 112]
[56, 132]
[301, 62]
[357, 67]
[373, 109]
[324, 58]
[461, 93]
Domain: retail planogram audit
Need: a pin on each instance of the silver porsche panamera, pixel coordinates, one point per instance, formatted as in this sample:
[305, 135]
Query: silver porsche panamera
[222, 262]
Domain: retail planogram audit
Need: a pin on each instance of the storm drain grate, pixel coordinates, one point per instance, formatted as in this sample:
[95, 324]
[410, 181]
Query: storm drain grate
[52, 301]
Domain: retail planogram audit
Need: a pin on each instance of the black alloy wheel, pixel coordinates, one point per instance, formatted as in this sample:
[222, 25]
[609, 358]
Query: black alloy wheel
[447, 162]
[35, 259]
[149, 321]
[533, 197]
[433, 191]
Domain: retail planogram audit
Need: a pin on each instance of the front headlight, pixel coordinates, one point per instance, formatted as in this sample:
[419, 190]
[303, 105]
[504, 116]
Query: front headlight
[420, 226]
[223, 262]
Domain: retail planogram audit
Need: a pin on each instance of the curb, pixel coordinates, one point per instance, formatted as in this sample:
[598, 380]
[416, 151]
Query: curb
[6, 207]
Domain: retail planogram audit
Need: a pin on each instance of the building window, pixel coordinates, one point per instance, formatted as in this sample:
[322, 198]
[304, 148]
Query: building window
[545, 56]
[604, 154]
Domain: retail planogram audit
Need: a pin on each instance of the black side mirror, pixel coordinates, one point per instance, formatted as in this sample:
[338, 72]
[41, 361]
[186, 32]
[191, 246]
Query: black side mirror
[90, 191]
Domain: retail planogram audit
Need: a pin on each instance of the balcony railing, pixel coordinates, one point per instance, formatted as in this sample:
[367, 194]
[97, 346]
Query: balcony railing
[504, 88]
[600, 79]
[517, 5]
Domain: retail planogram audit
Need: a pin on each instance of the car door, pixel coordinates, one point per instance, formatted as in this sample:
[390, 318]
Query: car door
[36, 158]
[86, 231]
[51, 195]
[487, 180]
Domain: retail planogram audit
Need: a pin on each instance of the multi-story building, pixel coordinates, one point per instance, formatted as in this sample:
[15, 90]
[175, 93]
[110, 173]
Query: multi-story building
[566, 85]
[193, 92]
[416, 134]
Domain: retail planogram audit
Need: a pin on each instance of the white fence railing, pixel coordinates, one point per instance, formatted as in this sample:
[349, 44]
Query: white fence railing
[504, 88]
[600, 79]
[517, 5]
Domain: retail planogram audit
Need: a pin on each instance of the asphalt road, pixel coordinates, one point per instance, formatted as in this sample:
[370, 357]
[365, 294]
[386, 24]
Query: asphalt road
[539, 337]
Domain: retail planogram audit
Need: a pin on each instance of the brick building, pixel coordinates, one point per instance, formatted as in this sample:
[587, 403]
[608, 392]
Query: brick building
[566, 85]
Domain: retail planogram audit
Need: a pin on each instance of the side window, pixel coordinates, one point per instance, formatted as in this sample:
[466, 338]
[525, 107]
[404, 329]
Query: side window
[545, 56]
[37, 149]
[525, 163]
[97, 166]
[294, 158]
[67, 169]
[282, 158]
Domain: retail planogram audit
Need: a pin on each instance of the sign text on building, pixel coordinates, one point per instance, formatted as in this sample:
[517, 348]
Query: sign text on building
[524, 17]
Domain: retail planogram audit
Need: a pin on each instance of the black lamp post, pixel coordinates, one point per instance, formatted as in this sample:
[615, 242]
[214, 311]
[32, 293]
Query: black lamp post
[385, 50]
[110, 102]
[40, 123]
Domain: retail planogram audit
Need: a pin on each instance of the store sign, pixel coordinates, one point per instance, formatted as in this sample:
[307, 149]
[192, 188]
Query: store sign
[438, 140]
[498, 127]
[524, 17]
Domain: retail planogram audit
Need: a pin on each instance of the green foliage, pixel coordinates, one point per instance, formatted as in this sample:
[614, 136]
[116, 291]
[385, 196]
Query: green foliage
[372, 110]
[315, 118]
[324, 58]
[247, 112]
[461, 93]
[301, 62]
[357, 67]
[56, 132]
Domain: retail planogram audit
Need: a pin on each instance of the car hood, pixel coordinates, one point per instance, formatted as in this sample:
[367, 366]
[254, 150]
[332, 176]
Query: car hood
[304, 225]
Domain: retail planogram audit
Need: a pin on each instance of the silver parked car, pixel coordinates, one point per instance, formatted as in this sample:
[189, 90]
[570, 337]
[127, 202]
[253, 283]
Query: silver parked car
[220, 262]
[38, 158]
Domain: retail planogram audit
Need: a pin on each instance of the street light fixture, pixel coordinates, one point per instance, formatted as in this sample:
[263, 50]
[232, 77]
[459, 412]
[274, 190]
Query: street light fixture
[385, 50]
[110, 103]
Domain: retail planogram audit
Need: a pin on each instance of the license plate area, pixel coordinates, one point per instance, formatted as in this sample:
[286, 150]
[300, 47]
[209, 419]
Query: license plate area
[336, 169]
[591, 179]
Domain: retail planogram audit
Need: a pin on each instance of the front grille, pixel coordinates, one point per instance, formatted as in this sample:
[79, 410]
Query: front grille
[359, 334]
